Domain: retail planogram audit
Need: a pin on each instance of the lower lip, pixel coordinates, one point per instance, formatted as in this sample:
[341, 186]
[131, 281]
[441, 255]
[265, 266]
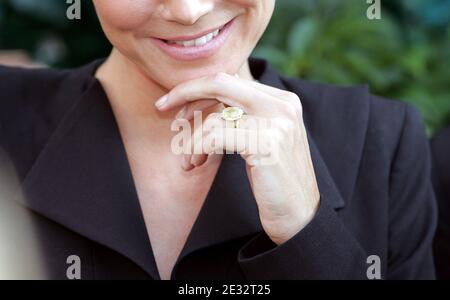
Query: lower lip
[197, 52]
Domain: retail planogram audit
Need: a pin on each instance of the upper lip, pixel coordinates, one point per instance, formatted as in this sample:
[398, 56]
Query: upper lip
[194, 36]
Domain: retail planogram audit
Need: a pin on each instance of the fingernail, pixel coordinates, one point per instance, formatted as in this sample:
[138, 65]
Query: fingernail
[161, 102]
[182, 113]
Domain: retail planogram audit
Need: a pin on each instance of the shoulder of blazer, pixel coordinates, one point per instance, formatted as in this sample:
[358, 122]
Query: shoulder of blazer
[39, 89]
[32, 104]
[349, 123]
[328, 107]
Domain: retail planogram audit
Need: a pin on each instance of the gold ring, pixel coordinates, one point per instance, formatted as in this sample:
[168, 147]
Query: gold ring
[233, 114]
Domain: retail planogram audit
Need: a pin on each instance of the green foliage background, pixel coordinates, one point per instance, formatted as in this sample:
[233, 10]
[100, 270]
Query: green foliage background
[403, 56]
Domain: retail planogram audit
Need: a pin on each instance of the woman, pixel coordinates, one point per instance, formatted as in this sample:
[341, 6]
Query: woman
[347, 195]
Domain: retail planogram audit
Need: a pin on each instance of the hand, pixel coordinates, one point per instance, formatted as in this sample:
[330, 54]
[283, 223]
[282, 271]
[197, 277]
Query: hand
[283, 181]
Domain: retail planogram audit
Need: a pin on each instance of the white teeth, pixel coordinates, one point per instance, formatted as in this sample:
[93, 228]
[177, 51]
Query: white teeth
[186, 43]
[197, 42]
[201, 41]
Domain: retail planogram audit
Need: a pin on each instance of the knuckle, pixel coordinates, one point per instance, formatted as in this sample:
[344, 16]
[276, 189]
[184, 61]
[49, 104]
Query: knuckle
[294, 100]
[293, 97]
[289, 109]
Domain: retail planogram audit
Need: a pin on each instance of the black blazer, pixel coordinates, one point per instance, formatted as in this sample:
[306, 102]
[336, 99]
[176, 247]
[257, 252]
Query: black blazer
[372, 164]
[440, 146]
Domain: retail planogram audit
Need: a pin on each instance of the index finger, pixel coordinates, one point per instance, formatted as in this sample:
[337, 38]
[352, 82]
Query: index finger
[221, 87]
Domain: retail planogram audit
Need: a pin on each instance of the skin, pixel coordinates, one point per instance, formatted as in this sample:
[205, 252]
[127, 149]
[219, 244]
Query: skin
[148, 90]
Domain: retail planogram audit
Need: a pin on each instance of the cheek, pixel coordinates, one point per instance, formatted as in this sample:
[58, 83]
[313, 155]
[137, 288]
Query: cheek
[125, 14]
[258, 18]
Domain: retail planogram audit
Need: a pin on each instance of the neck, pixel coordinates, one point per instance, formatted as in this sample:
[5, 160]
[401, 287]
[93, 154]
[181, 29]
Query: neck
[130, 92]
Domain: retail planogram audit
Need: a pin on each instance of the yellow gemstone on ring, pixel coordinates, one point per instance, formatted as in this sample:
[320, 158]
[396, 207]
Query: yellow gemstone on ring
[232, 113]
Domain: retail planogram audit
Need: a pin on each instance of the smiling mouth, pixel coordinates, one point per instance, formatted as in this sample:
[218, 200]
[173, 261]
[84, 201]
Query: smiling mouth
[198, 41]
[193, 47]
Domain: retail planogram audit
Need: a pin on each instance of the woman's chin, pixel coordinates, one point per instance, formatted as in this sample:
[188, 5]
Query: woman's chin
[175, 76]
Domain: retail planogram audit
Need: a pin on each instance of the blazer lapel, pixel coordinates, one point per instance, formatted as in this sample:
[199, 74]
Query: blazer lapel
[229, 211]
[82, 180]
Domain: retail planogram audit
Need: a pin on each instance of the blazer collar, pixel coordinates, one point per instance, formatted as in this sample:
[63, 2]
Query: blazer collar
[82, 180]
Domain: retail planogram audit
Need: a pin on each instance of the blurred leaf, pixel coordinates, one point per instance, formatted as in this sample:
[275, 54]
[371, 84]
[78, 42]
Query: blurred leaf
[302, 35]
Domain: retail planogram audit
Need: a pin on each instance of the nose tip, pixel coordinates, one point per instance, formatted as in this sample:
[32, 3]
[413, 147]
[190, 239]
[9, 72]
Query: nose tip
[186, 12]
